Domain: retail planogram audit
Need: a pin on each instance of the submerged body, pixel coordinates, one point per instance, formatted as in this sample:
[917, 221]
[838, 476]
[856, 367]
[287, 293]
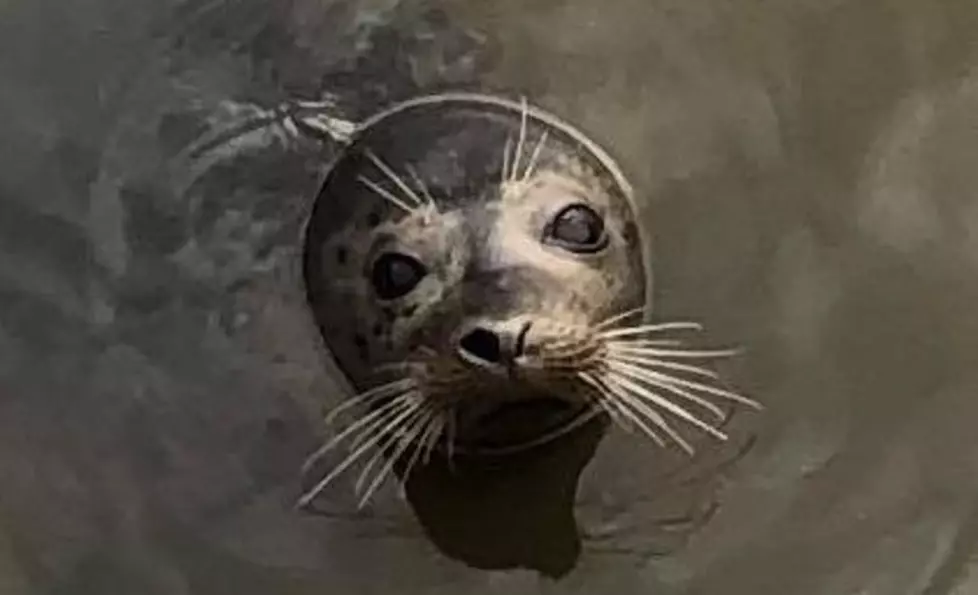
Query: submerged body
[479, 276]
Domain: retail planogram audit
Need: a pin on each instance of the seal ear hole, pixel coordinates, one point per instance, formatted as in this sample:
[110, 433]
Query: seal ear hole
[342, 254]
[577, 228]
[394, 275]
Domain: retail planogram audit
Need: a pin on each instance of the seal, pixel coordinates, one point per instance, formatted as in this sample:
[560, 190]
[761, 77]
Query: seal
[476, 268]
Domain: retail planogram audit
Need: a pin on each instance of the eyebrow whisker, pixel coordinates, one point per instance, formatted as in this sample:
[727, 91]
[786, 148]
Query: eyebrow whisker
[393, 177]
[535, 156]
[386, 194]
[522, 140]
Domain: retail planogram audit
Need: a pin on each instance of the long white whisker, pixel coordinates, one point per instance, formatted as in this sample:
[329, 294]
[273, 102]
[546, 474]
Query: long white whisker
[385, 194]
[617, 318]
[522, 139]
[654, 379]
[377, 392]
[678, 353]
[637, 356]
[605, 399]
[405, 443]
[692, 385]
[432, 425]
[310, 495]
[646, 343]
[578, 421]
[504, 174]
[391, 436]
[535, 156]
[432, 441]
[650, 328]
[366, 420]
[624, 373]
[413, 403]
[624, 388]
[339, 469]
[425, 191]
[393, 177]
[618, 399]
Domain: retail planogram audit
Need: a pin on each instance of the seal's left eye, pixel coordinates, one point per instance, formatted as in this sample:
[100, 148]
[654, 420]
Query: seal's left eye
[395, 275]
[577, 228]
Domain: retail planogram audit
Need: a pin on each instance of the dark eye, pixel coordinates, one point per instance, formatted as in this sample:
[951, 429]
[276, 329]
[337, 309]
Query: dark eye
[577, 228]
[394, 275]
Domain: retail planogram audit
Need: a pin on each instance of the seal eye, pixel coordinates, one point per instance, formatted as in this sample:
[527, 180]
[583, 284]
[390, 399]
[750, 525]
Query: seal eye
[577, 228]
[394, 275]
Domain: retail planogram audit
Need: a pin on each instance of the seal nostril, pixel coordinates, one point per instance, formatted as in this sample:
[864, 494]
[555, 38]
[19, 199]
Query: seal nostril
[483, 344]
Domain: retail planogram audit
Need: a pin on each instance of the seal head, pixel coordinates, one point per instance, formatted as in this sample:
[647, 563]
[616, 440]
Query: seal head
[471, 263]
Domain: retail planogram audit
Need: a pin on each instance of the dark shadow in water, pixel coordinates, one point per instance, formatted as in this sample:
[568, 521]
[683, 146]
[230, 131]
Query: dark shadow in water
[499, 511]
[512, 511]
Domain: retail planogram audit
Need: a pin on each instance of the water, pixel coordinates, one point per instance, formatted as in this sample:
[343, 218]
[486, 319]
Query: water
[806, 168]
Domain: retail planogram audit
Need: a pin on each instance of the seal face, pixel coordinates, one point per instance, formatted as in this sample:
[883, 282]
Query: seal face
[471, 264]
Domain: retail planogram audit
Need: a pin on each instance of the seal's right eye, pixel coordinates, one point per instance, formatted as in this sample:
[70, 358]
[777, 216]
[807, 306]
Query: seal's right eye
[394, 275]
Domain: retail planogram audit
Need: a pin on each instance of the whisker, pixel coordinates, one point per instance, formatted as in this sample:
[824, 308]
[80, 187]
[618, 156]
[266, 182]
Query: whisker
[650, 328]
[624, 372]
[385, 194]
[638, 357]
[413, 403]
[578, 421]
[654, 379]
[522, 139]
[646, 343]
[377, 392]
[431, 431]
[391, 437]
[405, 443]
[432, 441]
[603, 324]
[624, 389]
[677, 353]
[366, 420]
[425, 191]
[605, 400]
[311, 494]
[534, 158]
[393, 177]
[693, 385]
[504, 174]
[351, 458]
[618, 399]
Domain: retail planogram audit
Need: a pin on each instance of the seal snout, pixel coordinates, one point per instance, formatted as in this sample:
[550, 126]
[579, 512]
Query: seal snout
[492, 345]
